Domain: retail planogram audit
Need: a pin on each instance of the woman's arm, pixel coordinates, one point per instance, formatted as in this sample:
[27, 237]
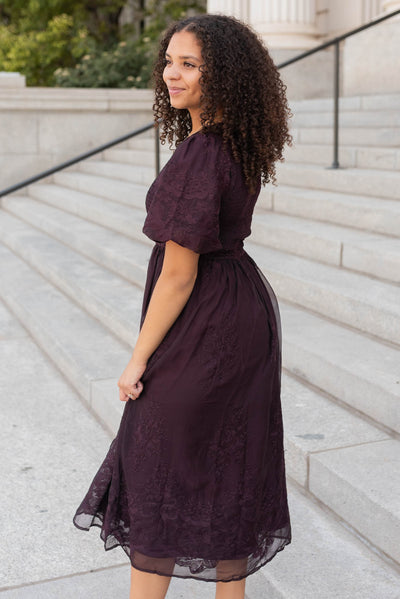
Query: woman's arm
[170, 294]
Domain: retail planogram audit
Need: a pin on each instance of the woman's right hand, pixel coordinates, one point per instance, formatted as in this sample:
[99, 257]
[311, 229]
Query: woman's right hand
[130, 385]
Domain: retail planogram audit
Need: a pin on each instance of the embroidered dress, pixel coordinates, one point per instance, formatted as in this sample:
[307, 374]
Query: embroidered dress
[193, 485]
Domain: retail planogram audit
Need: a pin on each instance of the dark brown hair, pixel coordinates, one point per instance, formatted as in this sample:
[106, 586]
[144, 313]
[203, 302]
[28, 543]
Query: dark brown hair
[238, 76]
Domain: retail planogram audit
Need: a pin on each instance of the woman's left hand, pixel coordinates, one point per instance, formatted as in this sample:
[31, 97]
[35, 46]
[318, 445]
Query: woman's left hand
[130, 385]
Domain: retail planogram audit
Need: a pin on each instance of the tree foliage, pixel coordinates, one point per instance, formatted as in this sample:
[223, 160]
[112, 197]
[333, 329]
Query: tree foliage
[80, 43]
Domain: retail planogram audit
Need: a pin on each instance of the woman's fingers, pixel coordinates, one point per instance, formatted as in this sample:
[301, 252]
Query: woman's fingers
[131, 391]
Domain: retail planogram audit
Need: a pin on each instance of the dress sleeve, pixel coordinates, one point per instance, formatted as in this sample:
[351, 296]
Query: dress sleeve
[183, 204]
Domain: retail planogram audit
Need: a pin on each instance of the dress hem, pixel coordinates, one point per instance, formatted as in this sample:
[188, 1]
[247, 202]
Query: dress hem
[126, 549]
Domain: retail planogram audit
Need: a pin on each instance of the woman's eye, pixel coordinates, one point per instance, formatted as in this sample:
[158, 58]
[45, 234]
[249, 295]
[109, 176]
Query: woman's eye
[188, 63]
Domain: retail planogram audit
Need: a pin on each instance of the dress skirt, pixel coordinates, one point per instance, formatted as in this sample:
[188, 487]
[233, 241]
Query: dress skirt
[193, 485]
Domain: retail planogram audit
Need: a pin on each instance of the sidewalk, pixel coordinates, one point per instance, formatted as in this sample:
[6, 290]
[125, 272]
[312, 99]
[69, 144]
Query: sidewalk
[50, 449]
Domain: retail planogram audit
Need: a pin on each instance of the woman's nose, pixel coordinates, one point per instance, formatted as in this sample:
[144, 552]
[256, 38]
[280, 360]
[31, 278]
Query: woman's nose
[172, 72]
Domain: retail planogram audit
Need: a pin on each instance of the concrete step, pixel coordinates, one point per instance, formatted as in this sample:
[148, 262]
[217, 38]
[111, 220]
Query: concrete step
[371, 254]
[361, 136]
[348, 118]
[368, 182]
[315, 423]
[309, 521]
[366, 474]
[51, 446]
[324, 548]
[368, 253]
[348, 103]
[123, 171]
[365, 213]
[106, 296]
[353, 368]
[324, 356]
[328, 448]
[72, 273]
[142, 154]
[328, 290]
[67, 334]
[353, 299]
[349, 156]
[118, 217]
[117, 304]
[123, 192]
[116, 252]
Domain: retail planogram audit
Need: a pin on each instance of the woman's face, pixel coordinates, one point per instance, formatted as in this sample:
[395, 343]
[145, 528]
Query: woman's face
[181, 73]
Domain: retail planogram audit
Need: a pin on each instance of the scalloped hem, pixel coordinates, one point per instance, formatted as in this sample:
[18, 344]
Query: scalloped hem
[126, 548]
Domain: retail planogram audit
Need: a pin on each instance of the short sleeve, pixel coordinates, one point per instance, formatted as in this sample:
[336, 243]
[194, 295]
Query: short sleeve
[183, 203]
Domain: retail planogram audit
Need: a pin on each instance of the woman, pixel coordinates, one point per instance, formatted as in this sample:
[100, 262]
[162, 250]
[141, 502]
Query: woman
[194, 483]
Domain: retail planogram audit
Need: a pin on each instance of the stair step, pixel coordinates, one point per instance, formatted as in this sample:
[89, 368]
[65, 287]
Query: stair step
[348, 103]
[123, 192]
[348, 118]
[120, 218]
[352, 304]
[324, 356]
[320, 154]
[64, 331]
[323, 549]
[366, 474]
[368, 182]
[356, 300]
[51, 446]
[348, 365]
[355, 157]
[314, 423]
[362, 136]
[71, 273]
[103, 294]
[369, 253]
[118, 253]
[139, 157]
[365, 213]
[123, 171]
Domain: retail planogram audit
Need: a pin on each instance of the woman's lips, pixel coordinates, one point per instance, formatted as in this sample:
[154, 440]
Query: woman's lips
[174, 90]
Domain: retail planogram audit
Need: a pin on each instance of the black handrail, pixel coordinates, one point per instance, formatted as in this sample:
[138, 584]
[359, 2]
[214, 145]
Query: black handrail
[336, 73]
[72, 161]
[335, 164]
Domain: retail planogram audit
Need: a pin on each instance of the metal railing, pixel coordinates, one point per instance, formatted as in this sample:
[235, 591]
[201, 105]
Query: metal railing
[336, 73]
[87, 154]
[335, 164]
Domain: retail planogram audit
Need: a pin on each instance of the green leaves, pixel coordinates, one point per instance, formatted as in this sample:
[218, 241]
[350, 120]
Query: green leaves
[79, 43]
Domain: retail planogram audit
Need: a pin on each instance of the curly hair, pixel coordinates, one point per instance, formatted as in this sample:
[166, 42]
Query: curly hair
[239, 77]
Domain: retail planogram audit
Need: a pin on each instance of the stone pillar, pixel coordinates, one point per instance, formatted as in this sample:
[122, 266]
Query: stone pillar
[390, 5]
[285, 23]
[371, 58]
[235, 8]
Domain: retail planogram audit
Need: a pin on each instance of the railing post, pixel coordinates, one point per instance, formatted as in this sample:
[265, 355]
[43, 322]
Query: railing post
[157, 148]
[335, 163]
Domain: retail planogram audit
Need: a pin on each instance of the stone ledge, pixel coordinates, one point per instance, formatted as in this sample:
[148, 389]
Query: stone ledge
[71, 99]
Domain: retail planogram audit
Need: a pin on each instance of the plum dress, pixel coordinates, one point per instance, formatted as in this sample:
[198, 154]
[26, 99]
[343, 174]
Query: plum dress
[193, 485]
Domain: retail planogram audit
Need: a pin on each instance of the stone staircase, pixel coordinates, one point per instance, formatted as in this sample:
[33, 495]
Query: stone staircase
[73, 263]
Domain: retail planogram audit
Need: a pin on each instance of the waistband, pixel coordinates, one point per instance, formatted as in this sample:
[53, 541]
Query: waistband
[224, 254]
[237, 252]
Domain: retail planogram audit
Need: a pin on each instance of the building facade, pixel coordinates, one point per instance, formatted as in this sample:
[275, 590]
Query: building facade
[288, 27]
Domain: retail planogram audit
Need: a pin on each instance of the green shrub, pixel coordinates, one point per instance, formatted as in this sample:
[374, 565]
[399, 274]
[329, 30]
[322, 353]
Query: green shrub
[128, 64]
[37, 54]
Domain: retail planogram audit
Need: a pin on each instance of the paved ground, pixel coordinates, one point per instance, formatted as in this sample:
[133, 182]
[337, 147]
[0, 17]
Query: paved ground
[50, 449]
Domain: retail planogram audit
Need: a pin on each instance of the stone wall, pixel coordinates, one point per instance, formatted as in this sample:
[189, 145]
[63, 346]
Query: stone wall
[40, 127]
